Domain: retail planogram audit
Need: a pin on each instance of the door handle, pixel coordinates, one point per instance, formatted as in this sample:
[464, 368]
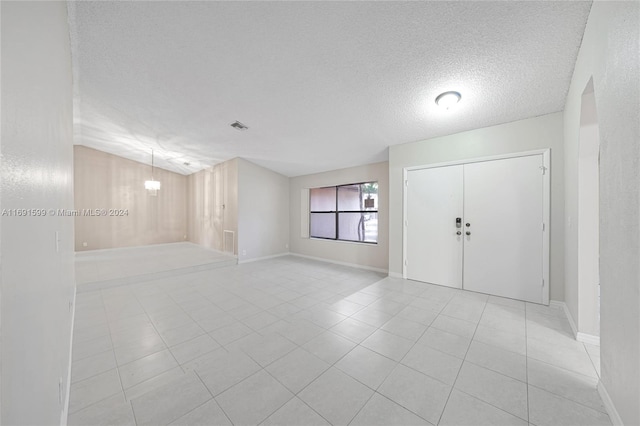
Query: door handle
[468, 224]
[468, 233]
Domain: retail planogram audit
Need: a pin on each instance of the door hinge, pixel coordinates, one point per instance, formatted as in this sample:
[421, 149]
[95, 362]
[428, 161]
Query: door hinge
[543, 282]
[406, 262]
[543, 169]
[406, 223]
[406, 182]
[543, 226]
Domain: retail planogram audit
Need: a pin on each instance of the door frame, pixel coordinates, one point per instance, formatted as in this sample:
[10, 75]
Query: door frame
[546, 205]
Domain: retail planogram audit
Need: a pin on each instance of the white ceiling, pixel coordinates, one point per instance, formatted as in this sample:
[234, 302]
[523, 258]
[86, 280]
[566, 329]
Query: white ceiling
[321, 85]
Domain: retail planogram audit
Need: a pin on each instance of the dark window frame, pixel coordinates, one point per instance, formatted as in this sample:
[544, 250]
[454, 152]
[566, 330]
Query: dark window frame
[337, 212]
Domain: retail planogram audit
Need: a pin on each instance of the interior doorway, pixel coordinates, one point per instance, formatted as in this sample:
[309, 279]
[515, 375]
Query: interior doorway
[588, 321]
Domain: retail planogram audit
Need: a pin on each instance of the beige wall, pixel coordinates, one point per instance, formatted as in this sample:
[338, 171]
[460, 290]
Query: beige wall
[106, 181]
[368, 255]
[263, 212]
[212, 205]
[519, 136]
[610, 55]
[37, 276]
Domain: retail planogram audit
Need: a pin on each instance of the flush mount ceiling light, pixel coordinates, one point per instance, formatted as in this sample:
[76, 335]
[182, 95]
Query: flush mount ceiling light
[448, 99]
[238, 125]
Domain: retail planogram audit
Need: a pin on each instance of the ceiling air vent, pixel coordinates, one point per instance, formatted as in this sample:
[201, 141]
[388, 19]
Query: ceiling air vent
[238, 125]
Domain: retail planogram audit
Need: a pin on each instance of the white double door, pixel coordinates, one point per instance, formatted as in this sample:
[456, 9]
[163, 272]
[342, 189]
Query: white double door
[478, 226]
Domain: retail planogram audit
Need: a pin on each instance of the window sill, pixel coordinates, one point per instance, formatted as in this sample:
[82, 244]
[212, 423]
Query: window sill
[360, 243]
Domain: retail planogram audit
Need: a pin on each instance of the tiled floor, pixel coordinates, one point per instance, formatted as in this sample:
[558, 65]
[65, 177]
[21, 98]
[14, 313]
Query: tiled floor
[291, 341]
[102, 268]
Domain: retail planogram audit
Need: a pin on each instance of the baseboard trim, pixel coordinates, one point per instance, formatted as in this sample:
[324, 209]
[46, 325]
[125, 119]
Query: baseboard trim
[64, 417]
[616, 420]
[588, 338]
[395, 275]
[579, 336]
[257, 259]
[352, 265]
[567, 313]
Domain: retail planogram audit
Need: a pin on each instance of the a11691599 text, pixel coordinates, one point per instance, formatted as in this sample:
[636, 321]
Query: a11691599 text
[64, 212]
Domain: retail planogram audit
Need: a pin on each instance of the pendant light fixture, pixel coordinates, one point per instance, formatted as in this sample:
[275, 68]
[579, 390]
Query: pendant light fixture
[152, 185]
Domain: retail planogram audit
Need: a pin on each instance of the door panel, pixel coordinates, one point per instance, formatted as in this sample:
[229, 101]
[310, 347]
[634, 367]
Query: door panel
[503, 205]
[434, 200]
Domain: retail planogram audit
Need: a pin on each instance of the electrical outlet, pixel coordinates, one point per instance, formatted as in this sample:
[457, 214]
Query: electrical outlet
[286, 246]
[84, 244]
[244, 252]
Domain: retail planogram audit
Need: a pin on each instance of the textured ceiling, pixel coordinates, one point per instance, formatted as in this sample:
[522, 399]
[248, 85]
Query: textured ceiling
[321, 85]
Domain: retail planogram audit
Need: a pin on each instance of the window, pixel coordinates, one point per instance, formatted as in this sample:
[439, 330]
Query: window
[345, 212]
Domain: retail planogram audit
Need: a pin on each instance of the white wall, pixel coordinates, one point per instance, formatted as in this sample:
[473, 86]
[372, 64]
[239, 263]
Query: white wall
[519, 136]
[263, 212]
[609, 53]
[587, 321]
[367, 255]
[37, 173]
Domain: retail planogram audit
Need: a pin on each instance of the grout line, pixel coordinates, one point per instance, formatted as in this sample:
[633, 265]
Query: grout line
[463, 361]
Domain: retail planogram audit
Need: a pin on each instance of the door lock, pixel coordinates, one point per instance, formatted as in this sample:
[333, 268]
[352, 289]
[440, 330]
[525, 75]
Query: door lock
[467, 224]
[468, 233]
[458, 233]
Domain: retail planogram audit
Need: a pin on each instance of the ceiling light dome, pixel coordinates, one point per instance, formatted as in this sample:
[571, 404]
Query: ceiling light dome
[448, 99]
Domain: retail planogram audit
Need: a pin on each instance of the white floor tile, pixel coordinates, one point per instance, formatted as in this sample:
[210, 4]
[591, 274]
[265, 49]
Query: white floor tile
[154, 383]
[404, 328]
[502, 339]
[111, 411]
[90, 366]
[573, 358]
[336, 396]
[366, 366]
[446, 342]
[353, 329]
[207, 414]
[570, 385]
[416, 392]
[433, 363]
[192, 349]
[297, 369]
[422, 316]
[329, 347]
[275, 314]
[170, 402]
[295, 413]
[547, 409]
[455, 326]
[226, 371]
[146, 368]
[254, 399]
[265, 349]
[94, 389]
[381, 411]
[387, 344]
[493, 388]
[502, 361]
[465, 410]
